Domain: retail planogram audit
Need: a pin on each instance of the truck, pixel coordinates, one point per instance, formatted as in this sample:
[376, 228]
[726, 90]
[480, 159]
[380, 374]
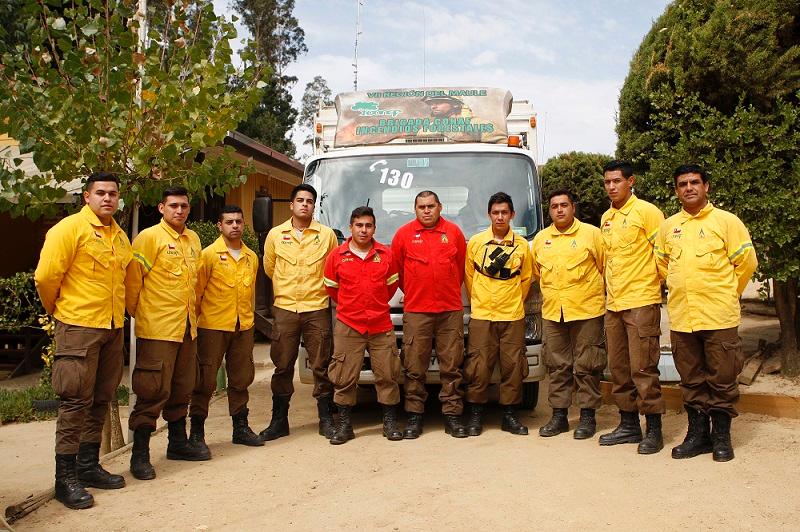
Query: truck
[380, 148]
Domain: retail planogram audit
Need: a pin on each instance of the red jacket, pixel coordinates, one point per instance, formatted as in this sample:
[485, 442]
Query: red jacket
[362, 288]
[431, 265]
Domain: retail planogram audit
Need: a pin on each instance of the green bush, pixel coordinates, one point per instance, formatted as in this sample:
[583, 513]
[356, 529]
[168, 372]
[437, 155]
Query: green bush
[208, 233]
[15, 405]
[19, 302]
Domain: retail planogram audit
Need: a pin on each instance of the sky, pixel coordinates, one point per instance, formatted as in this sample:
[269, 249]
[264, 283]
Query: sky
[568, 58]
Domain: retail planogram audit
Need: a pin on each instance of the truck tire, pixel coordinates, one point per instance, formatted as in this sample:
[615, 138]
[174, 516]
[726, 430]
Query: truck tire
[530, 395]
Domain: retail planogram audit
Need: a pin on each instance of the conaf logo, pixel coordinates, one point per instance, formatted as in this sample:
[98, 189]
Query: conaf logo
[372, 109]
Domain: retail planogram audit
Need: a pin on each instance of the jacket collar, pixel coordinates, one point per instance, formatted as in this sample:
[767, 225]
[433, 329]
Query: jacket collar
[377, 247]
[89, 215]
[572, 229]
[286, 226]
[685, 216]
[625, 209]
[416, 225]
[219, 246]
[487, 235]
[170, 231]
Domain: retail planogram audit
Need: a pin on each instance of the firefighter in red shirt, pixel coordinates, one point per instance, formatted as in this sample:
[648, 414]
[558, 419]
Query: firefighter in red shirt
[361, 278]
[429, 256]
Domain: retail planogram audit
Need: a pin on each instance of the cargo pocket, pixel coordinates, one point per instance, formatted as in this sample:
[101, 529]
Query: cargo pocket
[335, 368]
[408, 342]
[599, 357]
[396, 364]
[147, 379]
[69, 372]
[649, 351]
[733, 352]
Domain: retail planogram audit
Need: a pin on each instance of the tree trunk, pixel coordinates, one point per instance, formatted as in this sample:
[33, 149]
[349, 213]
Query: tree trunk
[787, 307]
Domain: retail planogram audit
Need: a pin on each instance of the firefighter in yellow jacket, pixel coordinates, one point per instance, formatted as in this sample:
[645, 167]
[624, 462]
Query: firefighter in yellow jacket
[707, 258]
[80, 279]
[294, 258]
[568, 261]
[160, 295]
[226, 281]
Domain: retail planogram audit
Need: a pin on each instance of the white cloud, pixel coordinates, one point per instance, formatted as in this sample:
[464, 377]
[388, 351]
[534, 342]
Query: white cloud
[486, 57]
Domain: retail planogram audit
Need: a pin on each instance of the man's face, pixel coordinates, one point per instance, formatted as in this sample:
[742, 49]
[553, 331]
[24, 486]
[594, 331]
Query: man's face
[362, 229]
[692, 192]
[231, 226]
[618, 187]
[501, 216]
[441, 108]
[103, 198]
[428, 210]
[175, 210]
[562, 211]
[302, 206]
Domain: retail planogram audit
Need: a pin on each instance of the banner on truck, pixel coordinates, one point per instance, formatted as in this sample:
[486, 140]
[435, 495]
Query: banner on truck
[461, 114]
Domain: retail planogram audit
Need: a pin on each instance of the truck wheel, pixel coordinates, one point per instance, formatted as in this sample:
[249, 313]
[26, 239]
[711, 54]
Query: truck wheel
[530, 395]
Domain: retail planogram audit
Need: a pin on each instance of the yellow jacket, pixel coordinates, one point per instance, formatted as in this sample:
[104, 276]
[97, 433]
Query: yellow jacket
[81, 272]
[492, 298]
[707, 260]
[226, 288]
[161, 282]
[569, 267]
[296, 267]
[631, 273]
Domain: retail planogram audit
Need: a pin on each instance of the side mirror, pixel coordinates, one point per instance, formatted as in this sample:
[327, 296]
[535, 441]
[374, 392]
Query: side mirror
[262, 214]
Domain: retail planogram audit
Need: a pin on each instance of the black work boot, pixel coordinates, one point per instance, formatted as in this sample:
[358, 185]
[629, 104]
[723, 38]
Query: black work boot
[511, 423]
[325, 415]
[413, 427]
[628, 431]
[653, 441]
[557, 424]
[197, 434]
[178, 445]
[721, 436]
[69, 490]
[454, 427]
[390, 430]
[242, 433]
[343, 430]
[141, 467]
[279, 424]
[698, 436]
[474, 419]
[89, 471]
[587, 425]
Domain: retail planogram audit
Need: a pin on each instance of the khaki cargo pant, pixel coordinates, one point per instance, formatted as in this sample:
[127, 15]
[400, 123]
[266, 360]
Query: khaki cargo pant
[237, 347]
[163, 380]
[488, 342]
[348, 358]
[420, 329]
[575, 356]
[709, 363]
[86, 372]
[315, 328]
[633, 355]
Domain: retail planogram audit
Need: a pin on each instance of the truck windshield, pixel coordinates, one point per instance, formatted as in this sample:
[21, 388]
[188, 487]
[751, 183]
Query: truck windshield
[389, 183]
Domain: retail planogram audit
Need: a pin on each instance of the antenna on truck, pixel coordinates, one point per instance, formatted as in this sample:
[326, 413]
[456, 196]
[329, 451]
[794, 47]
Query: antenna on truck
[359, 3]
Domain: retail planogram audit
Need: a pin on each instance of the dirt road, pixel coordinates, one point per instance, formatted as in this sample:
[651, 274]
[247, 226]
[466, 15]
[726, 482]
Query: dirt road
[496, 481]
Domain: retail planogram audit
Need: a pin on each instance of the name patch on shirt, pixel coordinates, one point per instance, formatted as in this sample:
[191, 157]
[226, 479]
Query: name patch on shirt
[607, 226]
[676, 233]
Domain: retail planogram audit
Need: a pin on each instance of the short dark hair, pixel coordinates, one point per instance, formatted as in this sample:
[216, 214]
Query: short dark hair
[104, 177]
[230, 209]
[174, 191]
[561, 192]
[425, 194]
[500, 197]
[623, 166]
[689, 169]
[303, 187]
[358, 212]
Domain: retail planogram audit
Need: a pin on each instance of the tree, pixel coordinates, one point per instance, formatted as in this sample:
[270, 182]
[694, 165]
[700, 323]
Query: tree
[582, 174]
[316, 91]
[718, 83]
[82, 95]
[279, 41]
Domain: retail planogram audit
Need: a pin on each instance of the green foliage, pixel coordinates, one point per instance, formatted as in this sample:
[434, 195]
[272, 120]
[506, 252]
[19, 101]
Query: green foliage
[272, 118]
[718, 83]
[81, 95]
[208, 233]
[582, 174]
[15, 405]
[19, 302]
